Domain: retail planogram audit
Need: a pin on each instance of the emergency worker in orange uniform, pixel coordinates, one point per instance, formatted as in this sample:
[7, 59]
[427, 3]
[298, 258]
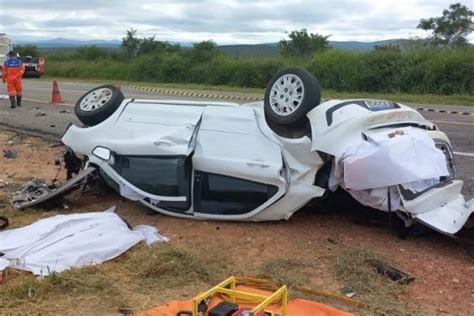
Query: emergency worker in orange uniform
[12, 72]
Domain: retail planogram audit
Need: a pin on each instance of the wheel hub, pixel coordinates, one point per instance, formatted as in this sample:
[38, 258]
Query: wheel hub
[286, 94]
[96, 99]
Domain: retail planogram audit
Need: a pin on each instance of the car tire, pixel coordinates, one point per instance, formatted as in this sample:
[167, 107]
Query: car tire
[290, 95]
[98, 104]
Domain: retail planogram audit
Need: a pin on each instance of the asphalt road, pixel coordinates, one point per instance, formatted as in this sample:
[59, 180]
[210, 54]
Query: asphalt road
[41, 90]
[37, 116]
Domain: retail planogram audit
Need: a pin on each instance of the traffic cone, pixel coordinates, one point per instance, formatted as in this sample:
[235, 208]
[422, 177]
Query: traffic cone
[56, 97]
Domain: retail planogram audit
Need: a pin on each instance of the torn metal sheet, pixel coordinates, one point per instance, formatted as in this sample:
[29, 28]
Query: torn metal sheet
[62, 242]
[36, 192]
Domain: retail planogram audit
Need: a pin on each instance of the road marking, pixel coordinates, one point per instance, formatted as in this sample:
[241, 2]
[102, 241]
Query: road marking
[461, 113]
[463, 154]
[197, 94]
[454, 123]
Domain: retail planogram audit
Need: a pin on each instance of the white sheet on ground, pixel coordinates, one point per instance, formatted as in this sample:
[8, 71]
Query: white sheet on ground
[58, 243]
[382, 161]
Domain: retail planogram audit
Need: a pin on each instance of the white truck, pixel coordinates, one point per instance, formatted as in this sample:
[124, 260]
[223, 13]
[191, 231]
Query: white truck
[5, 46]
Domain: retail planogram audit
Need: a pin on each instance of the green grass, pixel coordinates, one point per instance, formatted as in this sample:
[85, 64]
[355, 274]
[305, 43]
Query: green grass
[377, 292]
[23, 289]
[163, 266]
[427, 99]
[283, 271]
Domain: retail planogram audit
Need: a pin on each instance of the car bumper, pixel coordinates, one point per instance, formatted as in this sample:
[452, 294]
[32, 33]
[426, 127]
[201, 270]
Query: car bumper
[442, 208]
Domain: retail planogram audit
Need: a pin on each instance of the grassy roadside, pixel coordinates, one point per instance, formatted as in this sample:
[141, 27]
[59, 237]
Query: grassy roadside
[428, 99]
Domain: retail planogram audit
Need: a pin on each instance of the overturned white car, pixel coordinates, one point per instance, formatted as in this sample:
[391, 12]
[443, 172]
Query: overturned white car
[266, 160]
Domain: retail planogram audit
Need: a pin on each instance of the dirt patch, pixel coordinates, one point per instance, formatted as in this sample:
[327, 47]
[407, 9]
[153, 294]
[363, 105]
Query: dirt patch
[35, 158]
[316, 247]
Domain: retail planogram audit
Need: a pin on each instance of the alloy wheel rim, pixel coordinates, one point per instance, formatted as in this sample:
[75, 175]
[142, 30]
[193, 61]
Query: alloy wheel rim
[286, 95]
[96, 99]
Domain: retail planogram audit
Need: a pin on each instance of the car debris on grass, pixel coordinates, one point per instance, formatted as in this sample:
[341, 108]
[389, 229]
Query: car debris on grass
[10, 154]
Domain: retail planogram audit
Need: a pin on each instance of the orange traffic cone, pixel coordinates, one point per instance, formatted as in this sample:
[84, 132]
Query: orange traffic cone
[56, 97]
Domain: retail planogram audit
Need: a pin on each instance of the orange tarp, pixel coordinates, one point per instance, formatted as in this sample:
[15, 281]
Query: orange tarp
[296, 307]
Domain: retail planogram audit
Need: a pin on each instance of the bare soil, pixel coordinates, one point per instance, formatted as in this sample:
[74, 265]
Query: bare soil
[314, 236]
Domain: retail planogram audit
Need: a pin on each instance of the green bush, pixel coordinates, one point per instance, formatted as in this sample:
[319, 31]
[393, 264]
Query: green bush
[381, 70]
[424, 70]
[337, 69]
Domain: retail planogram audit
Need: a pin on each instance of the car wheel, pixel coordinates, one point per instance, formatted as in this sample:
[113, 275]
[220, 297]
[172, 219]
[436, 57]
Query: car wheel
[290, 94]
[98, 104]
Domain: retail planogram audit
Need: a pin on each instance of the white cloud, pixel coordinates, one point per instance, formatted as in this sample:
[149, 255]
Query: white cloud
[232, 21]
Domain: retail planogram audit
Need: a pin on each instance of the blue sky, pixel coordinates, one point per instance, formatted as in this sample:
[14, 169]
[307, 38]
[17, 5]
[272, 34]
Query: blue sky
[226, 22]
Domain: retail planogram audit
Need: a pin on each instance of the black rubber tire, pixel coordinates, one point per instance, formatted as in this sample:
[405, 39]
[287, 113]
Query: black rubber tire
[311, 98]
[3, 222]
[94, 117]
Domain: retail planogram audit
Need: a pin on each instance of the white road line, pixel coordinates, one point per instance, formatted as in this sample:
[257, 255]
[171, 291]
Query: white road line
[463, 154]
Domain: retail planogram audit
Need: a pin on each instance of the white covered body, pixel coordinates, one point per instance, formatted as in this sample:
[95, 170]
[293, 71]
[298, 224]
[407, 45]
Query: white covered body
[54, 244]
[222, 161]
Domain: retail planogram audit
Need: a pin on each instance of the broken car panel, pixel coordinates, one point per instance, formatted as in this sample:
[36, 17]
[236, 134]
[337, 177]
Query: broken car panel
[211, 160]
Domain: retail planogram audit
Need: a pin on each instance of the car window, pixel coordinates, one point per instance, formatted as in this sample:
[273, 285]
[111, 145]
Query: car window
[217, 194]
[163, 176]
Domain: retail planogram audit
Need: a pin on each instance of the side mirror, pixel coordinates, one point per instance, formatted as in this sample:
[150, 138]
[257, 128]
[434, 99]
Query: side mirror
[102, 153]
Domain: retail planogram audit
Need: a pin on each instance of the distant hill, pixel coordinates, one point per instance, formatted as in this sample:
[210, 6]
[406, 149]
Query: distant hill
[239, 50]
[271, 49]
[69, 43]
[257, 50]
[364, 46]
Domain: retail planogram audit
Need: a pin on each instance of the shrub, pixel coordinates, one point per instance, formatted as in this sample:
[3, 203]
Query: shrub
[385, 69]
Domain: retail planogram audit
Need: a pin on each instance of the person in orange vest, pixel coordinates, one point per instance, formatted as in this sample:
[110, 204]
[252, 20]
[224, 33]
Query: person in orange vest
[12, 72]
